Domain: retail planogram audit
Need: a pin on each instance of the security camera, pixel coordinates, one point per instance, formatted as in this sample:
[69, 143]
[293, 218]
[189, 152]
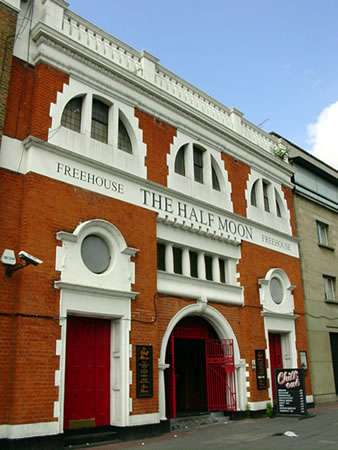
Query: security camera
[29, 259]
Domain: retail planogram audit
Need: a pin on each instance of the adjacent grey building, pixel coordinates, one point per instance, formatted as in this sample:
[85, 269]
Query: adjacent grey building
[316, 201]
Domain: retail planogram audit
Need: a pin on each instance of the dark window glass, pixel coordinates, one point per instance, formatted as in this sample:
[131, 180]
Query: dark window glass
[179, 161]
[222, 270]
[99, 121]
[124, 142]
[160, 257]
[177, 260]
[198, 164]
[71, 116]
[193, 264]
[253, 194]
[208, 267]
[215, 181]
[266, 197]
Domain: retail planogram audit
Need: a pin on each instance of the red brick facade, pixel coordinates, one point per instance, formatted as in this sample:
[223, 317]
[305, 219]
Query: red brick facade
[39, 203]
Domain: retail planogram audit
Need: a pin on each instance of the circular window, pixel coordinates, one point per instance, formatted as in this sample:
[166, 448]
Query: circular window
[276, 290]
[95, 254]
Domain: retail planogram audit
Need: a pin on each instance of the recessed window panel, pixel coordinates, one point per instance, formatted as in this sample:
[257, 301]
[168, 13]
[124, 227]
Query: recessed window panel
[322, 232]
[160, 257]
[208, 267]
[177, 253]
[193, 264]
[95, 254]
[215, 181]
[266, 196]
[198, 164]
[222, 270]
[179, 161]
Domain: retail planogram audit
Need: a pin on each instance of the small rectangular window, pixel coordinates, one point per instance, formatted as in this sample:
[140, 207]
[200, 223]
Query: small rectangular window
[208, 267]
[222, 270]
[177, 253]
[160, 256]
[329, 288]
[322, 233]
[193, 264]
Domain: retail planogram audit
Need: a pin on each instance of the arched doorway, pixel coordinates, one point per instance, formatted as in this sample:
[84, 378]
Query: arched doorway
[201, 374]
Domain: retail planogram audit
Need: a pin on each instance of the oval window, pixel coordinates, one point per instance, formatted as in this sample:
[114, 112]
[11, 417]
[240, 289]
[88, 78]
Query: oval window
[276, 290]
[95, 254]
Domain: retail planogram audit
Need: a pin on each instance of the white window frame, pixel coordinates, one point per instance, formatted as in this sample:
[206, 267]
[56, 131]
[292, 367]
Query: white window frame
[329, 288]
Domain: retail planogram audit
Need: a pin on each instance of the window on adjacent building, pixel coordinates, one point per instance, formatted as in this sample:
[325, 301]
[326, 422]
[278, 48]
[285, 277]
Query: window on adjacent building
[193, 264]
[160, 256]
[99, 129]
[177, 253]
[322, 233]
[329, 288]
[71, 116]
[266, 196]
[179, 161]
[198, 164]
[124, 142]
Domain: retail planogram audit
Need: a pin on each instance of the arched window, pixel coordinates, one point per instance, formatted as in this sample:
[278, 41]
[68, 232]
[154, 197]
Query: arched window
[124, 142]
[99, 129]
[253, 198]
[71, 116]
[179, 161]
[215, 182]
[279, 207]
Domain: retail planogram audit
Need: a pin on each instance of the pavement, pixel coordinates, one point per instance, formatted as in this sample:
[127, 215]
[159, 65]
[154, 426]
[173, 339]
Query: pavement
[317, 432]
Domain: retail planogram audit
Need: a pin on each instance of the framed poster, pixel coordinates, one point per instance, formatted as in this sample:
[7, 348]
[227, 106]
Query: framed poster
[261, 378]
[144, 371]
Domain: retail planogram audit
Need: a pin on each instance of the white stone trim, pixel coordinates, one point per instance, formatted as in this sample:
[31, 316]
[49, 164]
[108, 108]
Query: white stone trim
[144, 419]
[258, 406]
[29, 430]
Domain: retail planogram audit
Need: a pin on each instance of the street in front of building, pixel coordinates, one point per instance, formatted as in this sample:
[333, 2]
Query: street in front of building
[317, 432]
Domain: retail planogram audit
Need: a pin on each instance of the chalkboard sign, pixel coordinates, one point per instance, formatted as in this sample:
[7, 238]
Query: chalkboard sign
[261, 369]
[144, 371]
[290, 387]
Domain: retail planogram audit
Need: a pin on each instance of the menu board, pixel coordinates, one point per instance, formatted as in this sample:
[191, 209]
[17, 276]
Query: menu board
[144, 371]
[290, 387]
[261, 369]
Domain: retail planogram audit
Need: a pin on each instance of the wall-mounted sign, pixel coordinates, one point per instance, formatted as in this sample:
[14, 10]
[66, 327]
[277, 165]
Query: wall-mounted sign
[290, 387]
[261, 369]
[144, 371]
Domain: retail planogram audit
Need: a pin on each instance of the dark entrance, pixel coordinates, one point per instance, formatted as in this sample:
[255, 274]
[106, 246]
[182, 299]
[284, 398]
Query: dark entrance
[334, 351]
[201, 373]
[190, 376]
[87, 386]
[276, 359]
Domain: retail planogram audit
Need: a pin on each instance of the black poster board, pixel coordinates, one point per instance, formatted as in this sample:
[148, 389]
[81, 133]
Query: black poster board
[290, 387]
[261, 369]
[144, 371]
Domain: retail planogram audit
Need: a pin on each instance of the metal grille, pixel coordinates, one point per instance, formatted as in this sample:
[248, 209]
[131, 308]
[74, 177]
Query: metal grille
[221, 385]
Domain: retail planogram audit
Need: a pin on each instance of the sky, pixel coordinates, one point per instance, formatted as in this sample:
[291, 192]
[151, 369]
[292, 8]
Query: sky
[274, 60]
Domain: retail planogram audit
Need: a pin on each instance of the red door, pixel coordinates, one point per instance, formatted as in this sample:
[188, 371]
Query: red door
[276, 359]
[87, 386]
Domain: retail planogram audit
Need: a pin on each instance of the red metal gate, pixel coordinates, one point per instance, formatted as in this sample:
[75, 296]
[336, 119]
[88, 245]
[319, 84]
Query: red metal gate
[221, 385]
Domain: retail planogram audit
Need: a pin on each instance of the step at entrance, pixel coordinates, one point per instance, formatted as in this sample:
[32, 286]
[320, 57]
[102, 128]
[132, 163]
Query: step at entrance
[90, 438]
[189, 422]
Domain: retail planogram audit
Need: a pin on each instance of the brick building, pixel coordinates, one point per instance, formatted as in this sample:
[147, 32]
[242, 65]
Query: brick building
[171, 277]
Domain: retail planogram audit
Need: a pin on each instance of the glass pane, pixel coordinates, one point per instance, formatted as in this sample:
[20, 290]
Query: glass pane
[193, 264]
[215, 182]
[95, 254]
[160, 257]
[222, 270]
[177, 260]
[179, 162]
[124, 142]
[198, 165]
[99, 129]
[208, 267]
[71, 117]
